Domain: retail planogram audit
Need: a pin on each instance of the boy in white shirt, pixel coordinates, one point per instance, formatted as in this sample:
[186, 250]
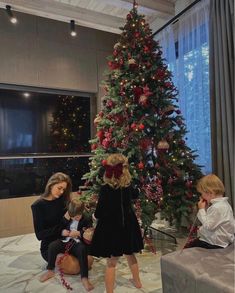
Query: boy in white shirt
[215, 215]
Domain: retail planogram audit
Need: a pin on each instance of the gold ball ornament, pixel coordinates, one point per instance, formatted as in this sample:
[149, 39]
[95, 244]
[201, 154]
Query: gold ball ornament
[97, 120]
[163, 145]
[131, 61]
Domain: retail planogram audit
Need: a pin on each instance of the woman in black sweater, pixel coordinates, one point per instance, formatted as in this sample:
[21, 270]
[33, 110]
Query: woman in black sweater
[117, 231]
[49, 211]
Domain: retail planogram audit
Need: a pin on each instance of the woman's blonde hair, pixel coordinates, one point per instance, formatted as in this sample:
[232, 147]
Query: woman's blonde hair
[55, 179]
[210, 184]
[125, 179]
[75, 207]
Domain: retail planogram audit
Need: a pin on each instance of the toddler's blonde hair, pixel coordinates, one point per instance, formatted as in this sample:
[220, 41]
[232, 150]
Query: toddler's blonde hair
[125, 178]
[211, 184]
[76, 207]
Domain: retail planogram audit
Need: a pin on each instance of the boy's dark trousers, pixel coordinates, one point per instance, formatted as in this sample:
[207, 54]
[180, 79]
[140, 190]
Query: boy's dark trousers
[78, 250]
[199, 243]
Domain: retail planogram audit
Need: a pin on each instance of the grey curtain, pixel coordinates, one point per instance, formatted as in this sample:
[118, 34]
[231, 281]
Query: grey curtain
[222, 91]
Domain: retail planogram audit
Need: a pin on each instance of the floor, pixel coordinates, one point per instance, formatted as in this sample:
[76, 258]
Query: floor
[21, 265]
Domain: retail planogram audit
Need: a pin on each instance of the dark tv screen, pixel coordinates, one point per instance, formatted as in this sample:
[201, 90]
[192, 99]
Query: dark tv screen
[37, 122]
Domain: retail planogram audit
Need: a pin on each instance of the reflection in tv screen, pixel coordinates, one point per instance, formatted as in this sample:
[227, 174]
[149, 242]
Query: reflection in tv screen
[33, 122]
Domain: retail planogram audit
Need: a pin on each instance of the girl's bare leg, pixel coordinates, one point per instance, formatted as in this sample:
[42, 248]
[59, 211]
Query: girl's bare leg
[110, 274]
[133, 265]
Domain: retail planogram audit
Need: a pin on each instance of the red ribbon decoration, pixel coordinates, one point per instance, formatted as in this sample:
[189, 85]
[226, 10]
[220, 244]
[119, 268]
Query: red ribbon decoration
[115, 171]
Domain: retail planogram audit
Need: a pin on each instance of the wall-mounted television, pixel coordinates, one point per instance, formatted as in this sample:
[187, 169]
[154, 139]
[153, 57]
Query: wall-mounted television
[42, 131]
[43, 122]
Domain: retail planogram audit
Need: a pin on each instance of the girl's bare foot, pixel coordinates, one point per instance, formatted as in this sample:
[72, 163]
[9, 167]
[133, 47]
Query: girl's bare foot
[49, 274]
[87, 285]
[136, 283]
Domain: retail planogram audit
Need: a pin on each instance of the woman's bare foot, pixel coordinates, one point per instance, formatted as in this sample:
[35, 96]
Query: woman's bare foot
[87, 285]
[136, 283]
[49, 274]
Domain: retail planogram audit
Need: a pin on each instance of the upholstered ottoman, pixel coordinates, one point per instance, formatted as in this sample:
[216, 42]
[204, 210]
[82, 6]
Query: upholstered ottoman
[198, 270]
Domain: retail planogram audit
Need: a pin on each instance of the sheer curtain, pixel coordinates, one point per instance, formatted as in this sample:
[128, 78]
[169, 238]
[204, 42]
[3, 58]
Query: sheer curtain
[185, 47]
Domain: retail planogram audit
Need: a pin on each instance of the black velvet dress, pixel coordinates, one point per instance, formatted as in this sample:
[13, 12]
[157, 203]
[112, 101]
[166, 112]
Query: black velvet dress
[117, 231]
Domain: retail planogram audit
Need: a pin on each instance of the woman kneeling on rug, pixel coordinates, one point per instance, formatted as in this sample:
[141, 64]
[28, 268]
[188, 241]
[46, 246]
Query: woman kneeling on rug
[50, 219]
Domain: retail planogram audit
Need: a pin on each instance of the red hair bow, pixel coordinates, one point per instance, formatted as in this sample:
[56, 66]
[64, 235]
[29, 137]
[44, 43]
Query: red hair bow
[115, 171]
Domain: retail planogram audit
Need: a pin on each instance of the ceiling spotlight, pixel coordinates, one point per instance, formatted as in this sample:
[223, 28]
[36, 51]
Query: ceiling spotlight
[13, 19]
[26, 95]
[72, 28]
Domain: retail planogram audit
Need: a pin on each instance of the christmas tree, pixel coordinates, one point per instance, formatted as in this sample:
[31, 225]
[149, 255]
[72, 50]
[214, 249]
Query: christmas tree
[141, 119]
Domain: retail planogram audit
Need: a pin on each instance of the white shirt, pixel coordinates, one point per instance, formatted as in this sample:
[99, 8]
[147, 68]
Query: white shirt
[217, 223]
[73, 226]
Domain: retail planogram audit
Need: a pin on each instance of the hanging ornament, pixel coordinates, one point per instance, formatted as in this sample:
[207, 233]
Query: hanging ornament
[116, 46]
[141, 165]
[189, 184]
[143, 100]
[56, 132]
[94, 146]
[97, 120]
[132, 64]
[169, 110]
[104, 162]
[163, 145]
[138, 91]
[145, 143]
[146, 91]
[100, 135]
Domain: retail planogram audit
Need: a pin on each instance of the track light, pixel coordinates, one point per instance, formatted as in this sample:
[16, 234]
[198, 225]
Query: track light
[13, 19]
[72, 28]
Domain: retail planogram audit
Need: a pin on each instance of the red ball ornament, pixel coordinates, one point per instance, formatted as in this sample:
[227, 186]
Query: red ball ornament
[141, 126]
[146, 49]
[141, 165]
[94, 146]
[115, 53]
[138, 91]
[133, 126]
[104, 162]
[189, 183]
[100, 134]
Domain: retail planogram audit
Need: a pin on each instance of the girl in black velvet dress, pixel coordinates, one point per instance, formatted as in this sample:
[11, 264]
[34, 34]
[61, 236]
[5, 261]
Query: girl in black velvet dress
[117, 231]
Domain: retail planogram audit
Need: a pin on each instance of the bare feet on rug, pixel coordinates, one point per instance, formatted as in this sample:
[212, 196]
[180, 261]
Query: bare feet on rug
[87, 285]
[136, 283]
[46, 276]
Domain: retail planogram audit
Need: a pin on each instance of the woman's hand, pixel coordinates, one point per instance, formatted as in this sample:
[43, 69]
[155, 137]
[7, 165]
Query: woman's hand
[74, 234]
[66, 215]
[201, 204]
[65, 232]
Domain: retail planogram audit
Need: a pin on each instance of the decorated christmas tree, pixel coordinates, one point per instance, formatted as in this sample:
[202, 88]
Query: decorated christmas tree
[141, 119]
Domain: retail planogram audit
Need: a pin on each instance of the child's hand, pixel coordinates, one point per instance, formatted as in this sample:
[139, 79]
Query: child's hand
[75, 234]
[201, 204]
[65, 232]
